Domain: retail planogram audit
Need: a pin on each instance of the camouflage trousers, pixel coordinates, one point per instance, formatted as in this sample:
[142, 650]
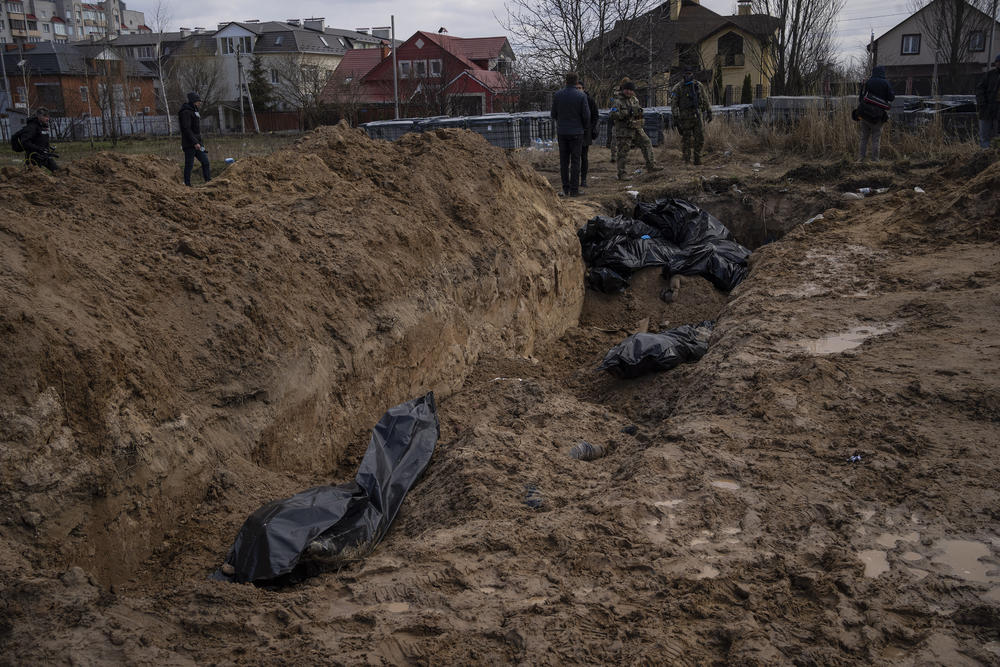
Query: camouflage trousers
[692, 137]
[626, 142]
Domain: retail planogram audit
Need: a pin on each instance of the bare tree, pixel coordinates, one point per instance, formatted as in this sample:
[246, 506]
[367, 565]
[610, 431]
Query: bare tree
[803, 45]
[161, 18]
[557, 36]
[953, 29]
[302, 78]
[197, 69]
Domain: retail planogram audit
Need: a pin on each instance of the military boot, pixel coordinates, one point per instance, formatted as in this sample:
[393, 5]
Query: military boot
[652, 167]
[697, 158]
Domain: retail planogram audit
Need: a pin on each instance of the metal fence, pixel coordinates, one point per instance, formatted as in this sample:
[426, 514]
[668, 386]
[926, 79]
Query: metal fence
[535, 129]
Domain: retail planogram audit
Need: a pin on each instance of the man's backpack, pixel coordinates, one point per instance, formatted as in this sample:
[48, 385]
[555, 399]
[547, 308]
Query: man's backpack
[15, 140]
[872, 108]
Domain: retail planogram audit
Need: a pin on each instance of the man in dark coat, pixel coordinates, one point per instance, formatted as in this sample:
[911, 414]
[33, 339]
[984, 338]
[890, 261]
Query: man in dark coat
[873, 110]
[572, 116]
[189, 120]
[988, 103]
[35, 141]
[590, 136]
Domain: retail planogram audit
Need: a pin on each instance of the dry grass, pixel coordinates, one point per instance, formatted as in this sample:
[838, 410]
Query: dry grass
[828, 134]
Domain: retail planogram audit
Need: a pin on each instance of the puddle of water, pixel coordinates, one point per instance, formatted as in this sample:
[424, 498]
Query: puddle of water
[727, 484]
[848, 340]
[487, 590]
[396, 607]
[707, 572]
[917, 574]
[993, 595]
[962, 556]
[875, 562]
[733, 530]
[667, 503]
[698, 541]
[911, 556]
[866, 515]
[888, 540]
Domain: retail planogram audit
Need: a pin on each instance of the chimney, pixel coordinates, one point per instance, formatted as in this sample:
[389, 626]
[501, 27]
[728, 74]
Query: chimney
[383, 32]
[185, 31]
[743, 7]
[294, 22]
[317, 24]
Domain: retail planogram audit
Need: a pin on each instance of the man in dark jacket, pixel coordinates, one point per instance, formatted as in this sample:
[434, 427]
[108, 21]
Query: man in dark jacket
[873, 110]
[35, 141]
[190, 123]
[588, 137]
[572, 116]
[988, 103]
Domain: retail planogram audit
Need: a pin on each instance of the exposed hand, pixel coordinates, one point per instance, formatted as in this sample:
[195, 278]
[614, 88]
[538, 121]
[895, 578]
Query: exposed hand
[197, 147]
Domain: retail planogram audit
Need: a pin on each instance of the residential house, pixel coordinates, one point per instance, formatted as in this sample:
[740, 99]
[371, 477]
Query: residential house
[655, 47]
[297, 55]
[437, 74]
[77, 80]
[941, 48]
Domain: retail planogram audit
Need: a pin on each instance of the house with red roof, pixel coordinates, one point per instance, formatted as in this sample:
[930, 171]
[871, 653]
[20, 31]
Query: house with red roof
[436, 74]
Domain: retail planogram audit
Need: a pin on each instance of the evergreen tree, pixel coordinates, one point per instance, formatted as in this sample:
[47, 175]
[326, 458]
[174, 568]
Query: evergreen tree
[746, 96]
[260, 87]
[717, 83]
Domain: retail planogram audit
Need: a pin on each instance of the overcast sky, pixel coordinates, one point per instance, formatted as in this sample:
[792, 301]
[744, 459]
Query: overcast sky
[469, 18]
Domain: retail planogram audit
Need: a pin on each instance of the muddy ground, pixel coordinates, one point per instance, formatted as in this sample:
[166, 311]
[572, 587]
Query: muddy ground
[820, 488]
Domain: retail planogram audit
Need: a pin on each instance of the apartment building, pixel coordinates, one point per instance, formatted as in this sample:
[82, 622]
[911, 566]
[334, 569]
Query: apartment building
[34, 21]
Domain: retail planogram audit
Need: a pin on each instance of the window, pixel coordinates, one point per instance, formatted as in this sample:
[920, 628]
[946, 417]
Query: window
[232, 45]
[144, 51]
[278, 40]
[911, 45]
[977, 41]
[323, 39]
[420, 69]
[84, 94]
[274, 76]
[404, 69]
[22, 93]
[137, 93]
[45, 27]
[435, 68]
[15, 8]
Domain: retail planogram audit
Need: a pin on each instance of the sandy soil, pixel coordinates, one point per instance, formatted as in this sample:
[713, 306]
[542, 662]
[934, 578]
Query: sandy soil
[821, 488]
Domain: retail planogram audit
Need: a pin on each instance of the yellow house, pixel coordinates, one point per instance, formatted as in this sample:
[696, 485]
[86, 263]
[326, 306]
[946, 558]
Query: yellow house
[656, 47]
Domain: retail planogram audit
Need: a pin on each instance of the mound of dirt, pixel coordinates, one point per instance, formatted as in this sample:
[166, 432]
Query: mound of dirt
[159, 340]
[818, 489]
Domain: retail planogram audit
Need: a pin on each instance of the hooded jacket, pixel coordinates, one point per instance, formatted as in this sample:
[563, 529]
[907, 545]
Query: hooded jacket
[190, 123]
[878, 85]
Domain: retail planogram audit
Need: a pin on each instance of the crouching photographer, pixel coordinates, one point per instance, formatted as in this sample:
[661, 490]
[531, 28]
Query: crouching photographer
[34, 139]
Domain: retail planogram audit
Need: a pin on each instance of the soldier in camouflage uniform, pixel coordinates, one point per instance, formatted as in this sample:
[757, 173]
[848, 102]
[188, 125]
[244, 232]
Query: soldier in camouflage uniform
[690, 105]
[628, 120]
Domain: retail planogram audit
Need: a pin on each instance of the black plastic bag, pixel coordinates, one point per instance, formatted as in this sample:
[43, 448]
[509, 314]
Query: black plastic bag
[672, 233]
[319, 524]
[644, 353]
[607, 280]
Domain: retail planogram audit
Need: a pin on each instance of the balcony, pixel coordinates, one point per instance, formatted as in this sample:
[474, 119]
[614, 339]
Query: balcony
[731, 59]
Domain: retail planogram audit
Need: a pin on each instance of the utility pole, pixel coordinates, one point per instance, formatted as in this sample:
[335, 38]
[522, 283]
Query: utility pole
[650, 91]
[9, 99]
[239, 86]
[245, 85]
[395, 69]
